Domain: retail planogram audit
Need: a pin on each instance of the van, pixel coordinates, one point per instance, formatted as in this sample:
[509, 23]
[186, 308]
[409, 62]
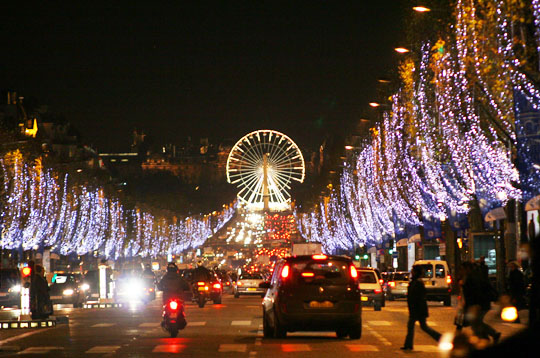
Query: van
[437, 279]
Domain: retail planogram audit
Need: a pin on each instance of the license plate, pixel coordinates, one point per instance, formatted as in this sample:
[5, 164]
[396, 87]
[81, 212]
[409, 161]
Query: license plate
[252, 289]
[364, 298]
[56, 297]
[404, 284]
[2, 294]
[317, 304]
[202, 289]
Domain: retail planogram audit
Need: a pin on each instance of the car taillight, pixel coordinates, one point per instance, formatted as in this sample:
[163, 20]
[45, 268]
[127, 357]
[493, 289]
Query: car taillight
[448, 279]
[391, 284]
[200, 283]
[354, 273]
[228, 283]
[381, 281]
[285, 271]
[217, 285]
[377, 290]
[319, 257]
[239, 283]
[308, 274]
[173, 305]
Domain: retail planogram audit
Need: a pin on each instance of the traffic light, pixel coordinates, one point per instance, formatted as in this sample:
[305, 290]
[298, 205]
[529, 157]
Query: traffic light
[26, 274]
[357, 257]
[365, 256]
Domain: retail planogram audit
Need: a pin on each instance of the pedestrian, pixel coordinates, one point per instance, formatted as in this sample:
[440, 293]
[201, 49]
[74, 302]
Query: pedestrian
[516, 287]
[460, 320]
[418, 310]
[478, 294]
[40, 301]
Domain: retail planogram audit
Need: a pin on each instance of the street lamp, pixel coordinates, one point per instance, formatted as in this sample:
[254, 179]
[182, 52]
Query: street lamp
[374, 104]
[421, 8]
[401, 50]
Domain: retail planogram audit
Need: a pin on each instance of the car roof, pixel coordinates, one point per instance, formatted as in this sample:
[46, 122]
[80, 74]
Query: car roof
[299, 258]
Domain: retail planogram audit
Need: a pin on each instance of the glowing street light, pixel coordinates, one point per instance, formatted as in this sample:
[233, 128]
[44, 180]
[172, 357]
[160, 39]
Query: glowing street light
[401, 50]
[374, 104]
[349, 147]
[421, 9]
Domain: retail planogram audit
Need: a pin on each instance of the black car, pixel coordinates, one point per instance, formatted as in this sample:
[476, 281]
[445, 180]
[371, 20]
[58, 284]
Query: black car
[67, 288]
[313, 293]
[10, 287]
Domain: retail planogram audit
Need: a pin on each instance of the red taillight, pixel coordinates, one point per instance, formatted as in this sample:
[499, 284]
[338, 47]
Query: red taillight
[26, 271]
[319, 257]
[217, 285]
[308, 274]
[228, 283]
[239, 283]
[381, 281]
[448, 279]
[354, 273]
[151, 289]
[201, 283]
[391, 284]
[285, 271]
[173, 305]
[377, 290]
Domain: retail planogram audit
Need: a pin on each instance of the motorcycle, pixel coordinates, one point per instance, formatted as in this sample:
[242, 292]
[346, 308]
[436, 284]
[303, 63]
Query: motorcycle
[174, 317]
[201, 293]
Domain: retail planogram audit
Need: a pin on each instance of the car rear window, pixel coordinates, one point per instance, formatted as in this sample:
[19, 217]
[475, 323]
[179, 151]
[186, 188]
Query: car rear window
[427, 270]
[318, 272]
[401, 276]
[366, 277]
[62, 278]
[251, 277]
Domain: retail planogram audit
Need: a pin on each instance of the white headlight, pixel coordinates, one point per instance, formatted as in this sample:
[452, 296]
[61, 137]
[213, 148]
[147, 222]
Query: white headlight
[85, 286]
[16, 288]
[68, 292]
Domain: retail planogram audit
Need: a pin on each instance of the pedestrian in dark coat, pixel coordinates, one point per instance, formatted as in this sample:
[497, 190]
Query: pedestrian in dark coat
[40, 301]
[516, 286]
[418, 310]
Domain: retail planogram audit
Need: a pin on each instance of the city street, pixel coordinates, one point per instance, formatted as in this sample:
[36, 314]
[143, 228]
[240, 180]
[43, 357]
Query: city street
[233, 328]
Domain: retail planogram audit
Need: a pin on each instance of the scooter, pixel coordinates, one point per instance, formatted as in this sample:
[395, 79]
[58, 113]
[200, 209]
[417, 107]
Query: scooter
[201, 293]
[174, 317]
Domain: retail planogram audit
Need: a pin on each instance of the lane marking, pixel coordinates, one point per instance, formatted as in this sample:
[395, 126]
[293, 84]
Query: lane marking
[102, 325]
[169, 348]
[21, 336]
[379, 336]
[362, 348]
[426, 348]
[430, 323]
[149, 325]
[196, 324]
[379, 323]
[241, 323]
[233, 348]
[40, 350]
[289, 347]
[103, 349]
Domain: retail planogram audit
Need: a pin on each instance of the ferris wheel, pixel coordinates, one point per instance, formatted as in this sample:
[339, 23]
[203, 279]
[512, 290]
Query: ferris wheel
[262, 165]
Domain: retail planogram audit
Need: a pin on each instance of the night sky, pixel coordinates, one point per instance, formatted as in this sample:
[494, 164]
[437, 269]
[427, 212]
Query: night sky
[216, 69]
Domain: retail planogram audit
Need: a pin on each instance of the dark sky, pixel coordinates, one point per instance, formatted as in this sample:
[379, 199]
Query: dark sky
[217, 69]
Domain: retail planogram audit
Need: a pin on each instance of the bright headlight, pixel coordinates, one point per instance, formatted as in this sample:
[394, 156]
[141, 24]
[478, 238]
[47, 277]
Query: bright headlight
[16, 288]
[134, 288]
[68, 292]
[85, 286]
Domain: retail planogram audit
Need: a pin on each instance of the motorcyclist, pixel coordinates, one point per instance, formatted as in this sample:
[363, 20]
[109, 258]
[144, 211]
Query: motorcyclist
[170, 283]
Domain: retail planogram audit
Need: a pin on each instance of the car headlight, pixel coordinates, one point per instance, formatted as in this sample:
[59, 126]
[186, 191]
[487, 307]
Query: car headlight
[68, 292]
[85, 287]
[16, 288]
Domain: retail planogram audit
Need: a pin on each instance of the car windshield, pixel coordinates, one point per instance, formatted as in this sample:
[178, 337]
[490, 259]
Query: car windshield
[321, 272]
[254, 276]
[401, 276]
[62, 278]
[367, 277]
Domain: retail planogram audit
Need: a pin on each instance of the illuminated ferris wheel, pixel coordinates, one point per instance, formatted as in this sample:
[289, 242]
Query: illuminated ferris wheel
[262, 164]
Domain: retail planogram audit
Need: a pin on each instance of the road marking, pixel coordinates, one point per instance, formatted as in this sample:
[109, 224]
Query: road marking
[103, 349]
[232, 348]
[430, 323]
[295, 348]
[379, 323]
[379, 336]
[40, 350]
[21, 336]
[362, 348]
[252, 353]
[149, 325]
[196, 324]
[426, 348]
[258, 341]
[169, 348]
[241, 323]
[102, 325]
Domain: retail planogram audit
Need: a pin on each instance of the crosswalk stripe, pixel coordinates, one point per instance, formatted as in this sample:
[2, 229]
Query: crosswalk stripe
[149, 325]
[362, 348]
[102, 325]
[379, 323]
[426, 348]
[40, 350]
[295, 347]
[169, 348]
[241, 323]
[232, 348]
[430, 323]
[103, 349]
[196, 324]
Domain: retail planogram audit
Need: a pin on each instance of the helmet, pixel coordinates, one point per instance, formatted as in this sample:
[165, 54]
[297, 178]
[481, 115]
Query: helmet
[199, 263]
[171, 267]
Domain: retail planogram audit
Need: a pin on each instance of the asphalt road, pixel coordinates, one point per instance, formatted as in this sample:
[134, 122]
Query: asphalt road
[233, 328]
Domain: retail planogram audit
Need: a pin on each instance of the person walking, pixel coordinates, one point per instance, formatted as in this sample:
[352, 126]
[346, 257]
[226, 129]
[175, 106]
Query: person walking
[418, 310]
[41, 305]
[478, 294]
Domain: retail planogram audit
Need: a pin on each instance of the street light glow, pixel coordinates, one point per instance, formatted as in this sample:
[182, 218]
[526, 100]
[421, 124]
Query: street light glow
[421, 9]
[374, 104]
[401, 50]
[349, 147]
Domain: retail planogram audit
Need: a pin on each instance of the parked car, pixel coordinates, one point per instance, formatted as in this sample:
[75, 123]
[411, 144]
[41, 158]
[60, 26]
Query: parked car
[67, 288]
[398, 285]
[313, 293]
[248, 284]
[437, 280]
[10, 287]
[370, 287]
